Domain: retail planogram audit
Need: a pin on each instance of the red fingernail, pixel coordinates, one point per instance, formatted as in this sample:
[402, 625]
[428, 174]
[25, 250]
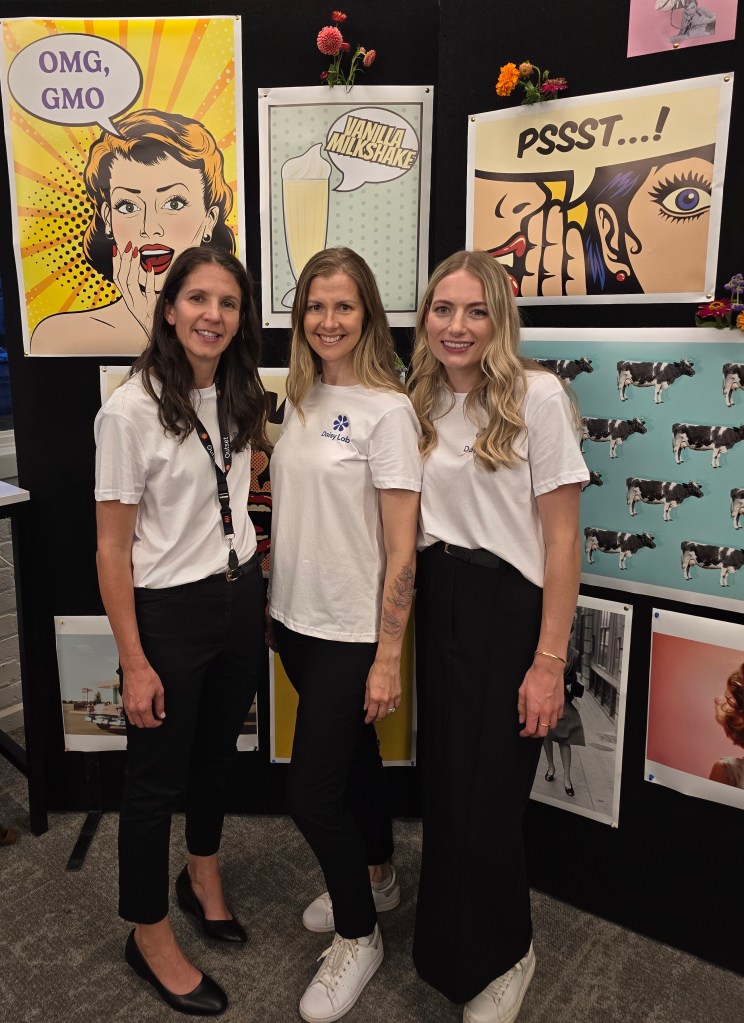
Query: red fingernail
[113, 251]
[129, 245]
[135, 252]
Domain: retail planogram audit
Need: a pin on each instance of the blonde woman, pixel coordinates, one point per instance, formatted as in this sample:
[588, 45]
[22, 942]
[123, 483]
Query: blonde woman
[345, 478]
[498, 578]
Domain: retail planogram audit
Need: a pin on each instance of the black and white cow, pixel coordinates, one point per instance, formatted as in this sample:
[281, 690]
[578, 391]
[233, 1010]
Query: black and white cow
[737, 505]
[705, 438]
[595, 479]
[733, 379]
[614, 431]
[567, 369]
[658, 375]
[659, 492]
[610, 541]
[707, 555]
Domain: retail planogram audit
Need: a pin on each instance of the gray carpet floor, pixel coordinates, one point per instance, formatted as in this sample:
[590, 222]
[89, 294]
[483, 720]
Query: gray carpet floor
[61, 941]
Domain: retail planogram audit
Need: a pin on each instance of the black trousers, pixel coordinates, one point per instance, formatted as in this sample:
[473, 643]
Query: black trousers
[476, 633]
[336, 785]
[206, 642]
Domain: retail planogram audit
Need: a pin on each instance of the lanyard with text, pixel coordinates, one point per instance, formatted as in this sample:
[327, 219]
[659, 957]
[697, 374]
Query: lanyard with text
[223, 494]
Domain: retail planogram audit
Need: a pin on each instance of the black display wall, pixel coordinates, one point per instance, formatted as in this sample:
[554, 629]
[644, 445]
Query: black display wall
[671, 868]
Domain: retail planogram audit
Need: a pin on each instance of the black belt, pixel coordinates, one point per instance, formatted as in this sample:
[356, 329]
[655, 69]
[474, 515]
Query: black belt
[485, 559]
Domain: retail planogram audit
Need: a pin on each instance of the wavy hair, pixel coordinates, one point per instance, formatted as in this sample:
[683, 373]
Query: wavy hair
[146, 137]
[374, 361]
[164, 360]
[730, 707]
[503, 383]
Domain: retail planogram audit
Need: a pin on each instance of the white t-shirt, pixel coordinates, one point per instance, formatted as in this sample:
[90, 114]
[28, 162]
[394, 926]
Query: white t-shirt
[327, 551]
[468, 506]
[178, 535]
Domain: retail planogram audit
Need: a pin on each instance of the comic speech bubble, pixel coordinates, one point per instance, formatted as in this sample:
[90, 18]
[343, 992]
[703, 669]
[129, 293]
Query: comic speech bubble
[371, 144]
[75, 79]
[566, 136]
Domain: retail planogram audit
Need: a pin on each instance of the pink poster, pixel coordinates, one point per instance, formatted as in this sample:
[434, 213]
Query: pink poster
[695, 734]
[658, 25]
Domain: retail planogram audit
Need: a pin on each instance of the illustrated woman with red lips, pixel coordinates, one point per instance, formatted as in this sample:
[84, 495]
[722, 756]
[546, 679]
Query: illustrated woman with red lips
[157, 188]
[518, 222]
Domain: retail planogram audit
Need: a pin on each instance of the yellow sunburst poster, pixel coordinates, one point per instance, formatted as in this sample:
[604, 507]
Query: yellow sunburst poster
[124, 149]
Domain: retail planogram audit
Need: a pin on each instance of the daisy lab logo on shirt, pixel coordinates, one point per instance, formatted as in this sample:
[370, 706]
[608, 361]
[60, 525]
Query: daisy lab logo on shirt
[340, 423]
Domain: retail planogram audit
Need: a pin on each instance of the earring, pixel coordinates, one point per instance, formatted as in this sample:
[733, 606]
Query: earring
[109, 234]
[207, 238]
[621, 276]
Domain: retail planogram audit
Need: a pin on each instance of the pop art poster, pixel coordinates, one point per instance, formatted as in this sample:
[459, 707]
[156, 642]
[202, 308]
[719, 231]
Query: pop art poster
[396, 732]
[124, 148]
[607, 198]
[662, 426]
[581, 760]
[345, 168]
[90, 687]
[659, 25]
[695, 733]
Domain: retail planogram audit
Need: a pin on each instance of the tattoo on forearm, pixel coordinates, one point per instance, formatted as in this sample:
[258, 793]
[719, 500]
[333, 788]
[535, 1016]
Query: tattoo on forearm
[398, 598]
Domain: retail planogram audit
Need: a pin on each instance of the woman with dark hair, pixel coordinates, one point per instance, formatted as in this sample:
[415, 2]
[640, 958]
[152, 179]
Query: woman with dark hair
[569, 731]
[647, 225]
[345, 478]
[498, 578]
[157, 188]
[180, 581]
[730, 715]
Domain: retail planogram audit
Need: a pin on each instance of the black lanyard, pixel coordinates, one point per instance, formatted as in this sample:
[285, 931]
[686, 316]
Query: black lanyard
[223, 493]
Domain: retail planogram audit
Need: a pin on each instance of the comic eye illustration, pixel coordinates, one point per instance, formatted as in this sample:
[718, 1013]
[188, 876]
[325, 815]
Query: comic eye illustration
[682, 199]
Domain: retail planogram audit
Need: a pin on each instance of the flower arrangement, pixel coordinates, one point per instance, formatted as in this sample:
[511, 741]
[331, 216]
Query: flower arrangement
[538, 85]
[724, 312]
[332, 43]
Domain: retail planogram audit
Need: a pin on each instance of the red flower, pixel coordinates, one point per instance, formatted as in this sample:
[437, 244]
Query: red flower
[323, 75]
[719, 307]
[553, 85]
[345, 47]
[330, 40]
[369, 58]
[338, 16]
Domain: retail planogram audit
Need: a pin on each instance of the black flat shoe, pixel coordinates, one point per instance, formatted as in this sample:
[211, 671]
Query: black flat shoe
[207, 998]
[222, 930]
[549, 775]
[569, 790]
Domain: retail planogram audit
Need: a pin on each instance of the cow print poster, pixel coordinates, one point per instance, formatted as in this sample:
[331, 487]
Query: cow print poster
[662, 431]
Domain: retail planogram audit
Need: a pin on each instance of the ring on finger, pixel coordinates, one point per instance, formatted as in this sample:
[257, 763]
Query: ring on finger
[545, 724]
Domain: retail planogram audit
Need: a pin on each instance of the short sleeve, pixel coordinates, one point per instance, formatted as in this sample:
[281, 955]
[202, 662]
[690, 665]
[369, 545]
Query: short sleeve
[393, 452]
[121, 467]
[553, 446]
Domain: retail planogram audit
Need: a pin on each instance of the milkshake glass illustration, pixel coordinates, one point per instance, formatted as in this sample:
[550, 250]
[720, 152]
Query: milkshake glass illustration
[305, 192]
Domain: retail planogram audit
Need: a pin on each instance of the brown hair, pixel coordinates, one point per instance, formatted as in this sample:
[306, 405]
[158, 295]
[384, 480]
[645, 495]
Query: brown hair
[164, 359]
[730, 707]
[147, 136]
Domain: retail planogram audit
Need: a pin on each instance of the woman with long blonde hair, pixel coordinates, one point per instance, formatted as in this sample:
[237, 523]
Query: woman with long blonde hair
[498, 578]
[345, 478]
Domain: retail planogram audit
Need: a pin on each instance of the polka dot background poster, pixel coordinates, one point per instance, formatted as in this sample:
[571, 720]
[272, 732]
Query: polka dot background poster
[124, 148]
[345, 168]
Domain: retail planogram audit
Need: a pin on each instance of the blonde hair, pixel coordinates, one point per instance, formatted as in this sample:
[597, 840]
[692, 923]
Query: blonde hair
[374, 355]
[503, 384]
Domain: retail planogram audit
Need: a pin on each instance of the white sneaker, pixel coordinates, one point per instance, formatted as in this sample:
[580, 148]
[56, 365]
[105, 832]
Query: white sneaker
[319, 914]
[502, 999]
[347, 967]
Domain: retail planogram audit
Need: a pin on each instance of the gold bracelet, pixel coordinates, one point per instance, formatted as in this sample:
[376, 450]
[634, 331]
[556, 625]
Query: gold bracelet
[546, 653]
